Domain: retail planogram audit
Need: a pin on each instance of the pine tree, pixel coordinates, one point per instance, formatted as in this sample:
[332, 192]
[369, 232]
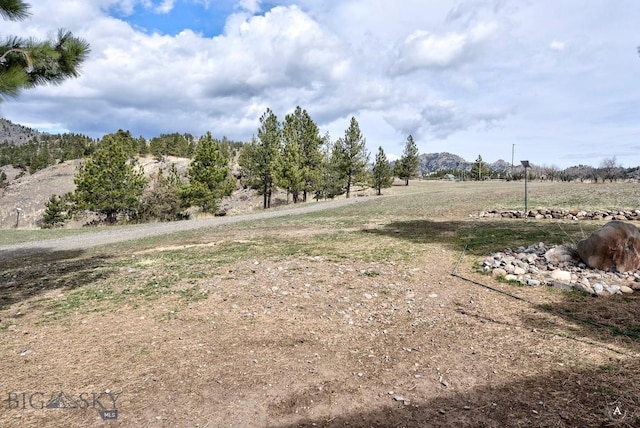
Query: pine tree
[479, 170]
[381, 176]
[25, 63]
[209, 176]
[259, 160]
[290, 174]
[353, 155]
[330, 182]
[57, 211]
[309, 142]
[406, 167]
[110, 182]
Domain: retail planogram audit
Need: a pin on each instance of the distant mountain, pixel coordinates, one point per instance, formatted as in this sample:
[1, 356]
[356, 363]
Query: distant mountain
[15, 134]
[434, 162]
[500, 166]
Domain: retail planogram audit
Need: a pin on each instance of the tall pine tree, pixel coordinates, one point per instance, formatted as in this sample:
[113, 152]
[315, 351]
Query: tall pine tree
[406, 167]
[309, 142]
[353, 155]
[290, 170]
[259, 160]
[381, 174]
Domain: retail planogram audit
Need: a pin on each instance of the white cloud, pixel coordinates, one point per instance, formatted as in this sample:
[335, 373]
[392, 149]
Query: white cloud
[460, 76]
[165, 7]
[557, 45]
[250, 6]
[423, 49]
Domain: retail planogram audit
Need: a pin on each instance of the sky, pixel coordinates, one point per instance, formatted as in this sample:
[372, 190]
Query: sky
[555, 82]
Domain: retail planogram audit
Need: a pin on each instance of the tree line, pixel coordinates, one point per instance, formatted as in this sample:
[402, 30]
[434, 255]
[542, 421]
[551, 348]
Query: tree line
[290, 155]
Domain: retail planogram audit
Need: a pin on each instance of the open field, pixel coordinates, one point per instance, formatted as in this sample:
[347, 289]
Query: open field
[343, 317]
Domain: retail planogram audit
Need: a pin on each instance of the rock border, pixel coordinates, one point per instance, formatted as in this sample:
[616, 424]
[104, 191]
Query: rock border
[559, 267]
[542, 213]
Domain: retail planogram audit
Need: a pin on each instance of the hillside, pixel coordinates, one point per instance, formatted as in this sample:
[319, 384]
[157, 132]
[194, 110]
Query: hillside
[434, 162]
[13, 133]
[31, 192]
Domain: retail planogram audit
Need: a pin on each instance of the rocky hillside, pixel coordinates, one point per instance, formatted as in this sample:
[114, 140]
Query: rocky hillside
[434, 162]
[30, 192]
[15, 134]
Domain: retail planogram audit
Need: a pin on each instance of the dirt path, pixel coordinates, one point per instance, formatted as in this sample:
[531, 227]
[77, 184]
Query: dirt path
[111, 236]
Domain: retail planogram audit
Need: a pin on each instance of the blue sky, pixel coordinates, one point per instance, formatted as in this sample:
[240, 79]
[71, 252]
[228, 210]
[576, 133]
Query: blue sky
[208, 20]
[558, 81]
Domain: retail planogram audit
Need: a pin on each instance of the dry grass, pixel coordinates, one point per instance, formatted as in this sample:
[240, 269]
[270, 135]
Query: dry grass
[345, 317]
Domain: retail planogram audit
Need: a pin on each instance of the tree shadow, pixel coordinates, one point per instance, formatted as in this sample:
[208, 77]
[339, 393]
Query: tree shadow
[605, 395]
[610, 319]
[481, 237]
[26, 276]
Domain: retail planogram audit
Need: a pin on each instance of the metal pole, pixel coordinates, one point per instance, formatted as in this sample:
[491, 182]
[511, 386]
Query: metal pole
[526, 210]
[513, 150]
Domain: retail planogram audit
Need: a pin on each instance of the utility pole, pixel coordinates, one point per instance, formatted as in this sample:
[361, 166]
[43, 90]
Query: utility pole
[513, 150]
[526, 165]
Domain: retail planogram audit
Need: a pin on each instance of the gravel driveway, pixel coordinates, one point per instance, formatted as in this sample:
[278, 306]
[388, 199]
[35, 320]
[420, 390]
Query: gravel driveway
[87, 240]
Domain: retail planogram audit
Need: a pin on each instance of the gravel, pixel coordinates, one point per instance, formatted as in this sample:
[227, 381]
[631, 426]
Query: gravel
[121, 234]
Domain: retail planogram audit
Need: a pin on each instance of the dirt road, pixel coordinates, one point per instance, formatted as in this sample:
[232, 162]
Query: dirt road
[110, 236]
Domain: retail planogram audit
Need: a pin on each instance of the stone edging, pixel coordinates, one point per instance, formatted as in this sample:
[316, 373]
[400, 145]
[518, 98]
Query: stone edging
[559, 267]
[541, 213]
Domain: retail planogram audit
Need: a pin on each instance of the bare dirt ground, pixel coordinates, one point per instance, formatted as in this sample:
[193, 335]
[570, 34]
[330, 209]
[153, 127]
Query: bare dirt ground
[264, 326]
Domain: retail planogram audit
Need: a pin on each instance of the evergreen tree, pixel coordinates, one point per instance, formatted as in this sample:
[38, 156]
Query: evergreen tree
[381, 177]
[259, 160]
[25, 63]
[406, 167]
[209, 176]
[3, 179]
[330, 182]
[110, 182]
[353, 156]
[309, 142]
[290, 170]
[41, 159]
[143, 147]
[479, 170]
[58, 210]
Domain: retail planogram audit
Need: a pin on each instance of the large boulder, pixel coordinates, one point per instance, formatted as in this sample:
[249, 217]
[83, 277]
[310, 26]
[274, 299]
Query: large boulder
[614, 247]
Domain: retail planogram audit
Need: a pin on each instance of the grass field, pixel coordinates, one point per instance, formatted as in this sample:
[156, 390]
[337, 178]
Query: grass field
[343, 317]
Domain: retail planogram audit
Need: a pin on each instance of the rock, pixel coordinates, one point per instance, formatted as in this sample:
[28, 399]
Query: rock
[558, 255]
[533, 282]
[498, 272]
[613, 289]
[598, 288]
[510, 277]
[613, 247]
[519, 271]
[626, 290]
[584, 287]
[561, 286]
[561, 275]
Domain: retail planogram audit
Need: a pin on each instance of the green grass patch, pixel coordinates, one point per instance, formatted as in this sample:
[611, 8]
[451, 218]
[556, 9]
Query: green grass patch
[193, 294]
